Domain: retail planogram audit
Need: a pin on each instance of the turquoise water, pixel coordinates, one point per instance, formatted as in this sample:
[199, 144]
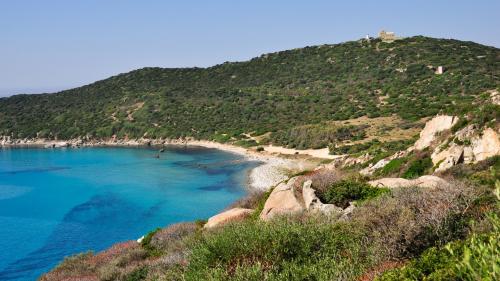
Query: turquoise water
[58, 202]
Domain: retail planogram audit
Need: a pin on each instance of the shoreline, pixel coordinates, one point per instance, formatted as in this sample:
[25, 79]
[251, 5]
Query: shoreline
[272, 168]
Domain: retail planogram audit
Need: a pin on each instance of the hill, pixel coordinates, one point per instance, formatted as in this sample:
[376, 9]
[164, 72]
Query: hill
[279, 93]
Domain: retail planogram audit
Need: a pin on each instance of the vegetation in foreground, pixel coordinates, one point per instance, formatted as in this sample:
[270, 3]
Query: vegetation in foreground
[447, 233]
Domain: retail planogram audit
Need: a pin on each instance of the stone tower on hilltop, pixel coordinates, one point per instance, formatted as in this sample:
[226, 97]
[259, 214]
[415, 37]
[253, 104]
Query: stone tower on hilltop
[387, 36]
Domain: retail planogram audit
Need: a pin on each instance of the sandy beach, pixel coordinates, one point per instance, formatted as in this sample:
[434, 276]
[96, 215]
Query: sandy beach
[272, 171]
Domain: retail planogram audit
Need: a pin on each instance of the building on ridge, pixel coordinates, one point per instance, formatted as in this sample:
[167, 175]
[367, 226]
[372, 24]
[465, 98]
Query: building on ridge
[387, 36]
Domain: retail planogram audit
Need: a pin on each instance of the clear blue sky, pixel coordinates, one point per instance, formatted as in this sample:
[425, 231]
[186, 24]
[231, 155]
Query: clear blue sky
[51, 45]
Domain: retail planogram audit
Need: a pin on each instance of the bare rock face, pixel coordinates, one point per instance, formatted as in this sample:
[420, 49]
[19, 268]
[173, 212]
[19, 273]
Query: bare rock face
[282, 201]
[432, 127]
[423, 181]
[495, 97]
[487, 145]
[314, 205]
[474, 147]
[231, 215]
[448, 158]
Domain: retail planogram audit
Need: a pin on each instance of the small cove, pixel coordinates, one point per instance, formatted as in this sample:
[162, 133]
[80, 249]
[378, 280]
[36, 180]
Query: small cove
[58, 202]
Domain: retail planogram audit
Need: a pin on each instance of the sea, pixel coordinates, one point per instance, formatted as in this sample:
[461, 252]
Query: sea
[59, 202]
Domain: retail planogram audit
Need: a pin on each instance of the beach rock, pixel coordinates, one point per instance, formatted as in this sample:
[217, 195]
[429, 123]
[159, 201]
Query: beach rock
[282, 201]
[435, 125]
[231, 215]
[313, 203]
[486, 146]
[423, 181]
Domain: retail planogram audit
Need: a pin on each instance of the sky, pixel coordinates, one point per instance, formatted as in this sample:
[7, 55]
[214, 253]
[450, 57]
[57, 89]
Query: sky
[51, 45]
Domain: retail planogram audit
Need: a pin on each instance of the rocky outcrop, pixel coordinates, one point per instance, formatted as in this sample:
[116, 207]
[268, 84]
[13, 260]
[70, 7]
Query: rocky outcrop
[467, 146]
[231, 215]
[435, 125]
[282, 201]
[423, 181]
[372, 168]
[448, 158]
[313, 203]
[381, 163]
[486, 146]
[495, 97]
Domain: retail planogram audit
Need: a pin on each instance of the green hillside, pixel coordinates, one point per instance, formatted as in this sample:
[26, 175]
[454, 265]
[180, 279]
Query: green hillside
[272, 93]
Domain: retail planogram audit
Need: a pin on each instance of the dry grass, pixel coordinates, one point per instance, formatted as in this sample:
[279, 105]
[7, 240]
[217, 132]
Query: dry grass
[412, 219]
[385, 129]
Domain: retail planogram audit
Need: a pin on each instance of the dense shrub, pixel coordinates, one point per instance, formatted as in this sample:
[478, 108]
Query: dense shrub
[410, 220]
[345, 191]
[393, 167]
[477, 258]
[417, 168]
[286, 249]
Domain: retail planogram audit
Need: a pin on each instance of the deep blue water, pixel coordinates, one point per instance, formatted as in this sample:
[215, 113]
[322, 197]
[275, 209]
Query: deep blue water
[54, 203]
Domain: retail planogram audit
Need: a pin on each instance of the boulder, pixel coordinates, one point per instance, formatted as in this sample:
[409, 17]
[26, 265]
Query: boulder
[346, 213]
[313, 203]
[448, 158]
[231, 215]
[282, 201]
[486, 146]
[495, 97]
[371, 169]
[435, 125]
[390, 182]
[423, 181]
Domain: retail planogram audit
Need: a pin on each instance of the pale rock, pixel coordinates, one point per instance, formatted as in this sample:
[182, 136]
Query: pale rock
[495, 97]
[486, 146]
[356, 160]
[282, 201]
[435, 125]
[313, 203]
[423, 181]
[466, 133]
[231, 215]
[346, 213]
[468, 155]
[372, 168]
[390, 182]
[140, 239]
[448, 158]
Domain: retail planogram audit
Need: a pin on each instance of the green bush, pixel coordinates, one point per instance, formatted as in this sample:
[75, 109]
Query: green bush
[417, 168]
[282, 250]
[476, 258]
[393, 167]
[138, 274]
[345, 191]
[146, 244]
